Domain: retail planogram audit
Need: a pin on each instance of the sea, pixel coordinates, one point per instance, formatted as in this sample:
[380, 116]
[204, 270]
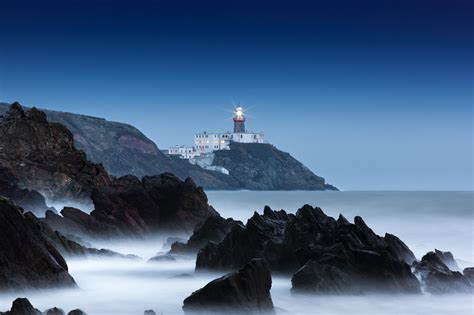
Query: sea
[424, 220]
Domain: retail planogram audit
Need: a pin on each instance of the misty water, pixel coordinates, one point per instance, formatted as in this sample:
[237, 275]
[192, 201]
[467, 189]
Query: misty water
[423, 220]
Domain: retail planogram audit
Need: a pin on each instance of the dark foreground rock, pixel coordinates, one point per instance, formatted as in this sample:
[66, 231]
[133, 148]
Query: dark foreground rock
[27, 258]
[22, 306]
[437, 278]
[156, 203]
[214, 229]
[330, 255]
[129, 207]
[246, 291]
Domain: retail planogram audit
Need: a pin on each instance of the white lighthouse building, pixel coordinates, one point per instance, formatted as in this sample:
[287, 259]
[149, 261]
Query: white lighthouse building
[209, 142]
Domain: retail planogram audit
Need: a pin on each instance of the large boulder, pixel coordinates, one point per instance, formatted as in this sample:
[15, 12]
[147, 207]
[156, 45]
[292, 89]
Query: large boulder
[27, 258]
[437, 278]
[245, 291]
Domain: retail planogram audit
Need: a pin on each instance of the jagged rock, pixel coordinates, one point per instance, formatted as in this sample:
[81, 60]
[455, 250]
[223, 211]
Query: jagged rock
[42, 157]
[22, 306]
[149, 312]
[247, 291]
[214, 229]
[55, 311]
[352, 253]
[437, 278]
[399, 248]
[27, 258]
[259, 238]
[76, 312]
[469, 274]
[448, 259]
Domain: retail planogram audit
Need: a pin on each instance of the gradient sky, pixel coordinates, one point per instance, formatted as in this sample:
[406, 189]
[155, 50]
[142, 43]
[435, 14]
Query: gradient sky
[369, 94]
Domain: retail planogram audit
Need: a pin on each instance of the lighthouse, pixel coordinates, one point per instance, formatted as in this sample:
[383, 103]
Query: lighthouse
[239, 120]
[208, 142]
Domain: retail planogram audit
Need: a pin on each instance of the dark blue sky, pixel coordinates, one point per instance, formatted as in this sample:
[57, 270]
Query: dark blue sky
[369, 94]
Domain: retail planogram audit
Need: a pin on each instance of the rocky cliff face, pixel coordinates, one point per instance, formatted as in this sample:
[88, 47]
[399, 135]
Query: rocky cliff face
[41, 156]
[258, 166]
[123, 149]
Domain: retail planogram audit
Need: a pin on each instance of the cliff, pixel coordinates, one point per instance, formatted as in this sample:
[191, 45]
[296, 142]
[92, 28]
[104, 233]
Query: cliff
[122, 149]
[261, 166]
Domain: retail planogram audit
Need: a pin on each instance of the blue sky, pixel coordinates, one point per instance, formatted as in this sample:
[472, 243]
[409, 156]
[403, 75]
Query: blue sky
[369, 94]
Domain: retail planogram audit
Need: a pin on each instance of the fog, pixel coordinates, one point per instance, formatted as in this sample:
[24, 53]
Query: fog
[126, 287]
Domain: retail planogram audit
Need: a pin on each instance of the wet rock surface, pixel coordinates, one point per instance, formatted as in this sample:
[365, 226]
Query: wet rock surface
[246, 291]
[436, 276]
[353, 257]
[27, 258]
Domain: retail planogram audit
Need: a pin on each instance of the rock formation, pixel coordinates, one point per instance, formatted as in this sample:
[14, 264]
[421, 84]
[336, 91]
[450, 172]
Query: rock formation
[245, 291]
[351, 256]
[22, 306]
[214, 229]
[437, 278]
[42, 157]
[27, 259]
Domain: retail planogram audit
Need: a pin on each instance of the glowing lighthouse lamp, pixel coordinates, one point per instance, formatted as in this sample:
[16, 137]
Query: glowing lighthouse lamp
[239, 120]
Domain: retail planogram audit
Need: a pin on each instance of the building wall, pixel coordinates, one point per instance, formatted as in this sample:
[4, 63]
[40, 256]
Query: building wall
[209, 142]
